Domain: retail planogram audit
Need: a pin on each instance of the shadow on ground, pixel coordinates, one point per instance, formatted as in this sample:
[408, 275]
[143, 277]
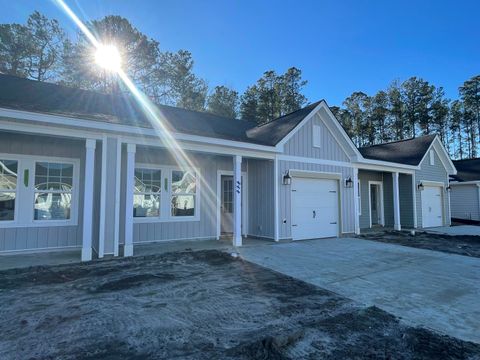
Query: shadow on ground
[468, 245]
[196, 305]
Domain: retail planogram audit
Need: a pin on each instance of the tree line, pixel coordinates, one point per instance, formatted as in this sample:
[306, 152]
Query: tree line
[413, 108]
[41, 50]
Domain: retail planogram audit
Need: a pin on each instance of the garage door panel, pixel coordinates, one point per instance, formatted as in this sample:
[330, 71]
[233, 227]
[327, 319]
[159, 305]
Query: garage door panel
[314, 208]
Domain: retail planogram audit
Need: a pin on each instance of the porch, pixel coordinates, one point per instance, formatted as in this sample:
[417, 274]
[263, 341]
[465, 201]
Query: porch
[386, 199]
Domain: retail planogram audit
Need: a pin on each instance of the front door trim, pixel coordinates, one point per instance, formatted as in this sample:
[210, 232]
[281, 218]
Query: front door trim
[382, 215]
[244, 201]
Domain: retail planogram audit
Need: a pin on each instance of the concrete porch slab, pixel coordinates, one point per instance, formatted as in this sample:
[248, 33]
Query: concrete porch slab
[456, 230]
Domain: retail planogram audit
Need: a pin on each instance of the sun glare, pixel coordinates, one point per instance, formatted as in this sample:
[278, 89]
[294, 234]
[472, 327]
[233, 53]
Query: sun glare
[108, 57]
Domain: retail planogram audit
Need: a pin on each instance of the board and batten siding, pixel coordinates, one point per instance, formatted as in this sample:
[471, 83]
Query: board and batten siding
[406, 200]
[365, 176]
[261, 198]
[301, 143]
[206, 226]
[347, 201]
[44, 237]
[464, 201]
[436, 173]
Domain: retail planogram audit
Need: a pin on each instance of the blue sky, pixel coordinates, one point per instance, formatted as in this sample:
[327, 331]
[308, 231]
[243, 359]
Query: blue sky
[341, 46]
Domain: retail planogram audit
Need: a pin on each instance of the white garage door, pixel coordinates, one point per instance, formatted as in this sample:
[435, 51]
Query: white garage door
[432, 208]
[314, 208]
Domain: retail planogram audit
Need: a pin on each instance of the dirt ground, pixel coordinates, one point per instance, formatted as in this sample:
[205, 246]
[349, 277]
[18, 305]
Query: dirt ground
[196, 305]
[459, 244]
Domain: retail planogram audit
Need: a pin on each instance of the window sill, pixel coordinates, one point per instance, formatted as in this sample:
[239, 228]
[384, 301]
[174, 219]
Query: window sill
[148, 220]
[46, 223]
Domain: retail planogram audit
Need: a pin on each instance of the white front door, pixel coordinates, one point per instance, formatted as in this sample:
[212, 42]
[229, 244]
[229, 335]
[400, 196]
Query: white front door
[432, 208]
[226, 206]
[314, 208]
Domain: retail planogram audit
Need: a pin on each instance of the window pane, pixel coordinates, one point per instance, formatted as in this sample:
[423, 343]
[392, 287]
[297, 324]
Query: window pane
[183, 182]
[183, 205]
[7, 206]
[8, 174]
[146, 205]
[50, 206]
[53, 176]
[41, 168]
[147, 180]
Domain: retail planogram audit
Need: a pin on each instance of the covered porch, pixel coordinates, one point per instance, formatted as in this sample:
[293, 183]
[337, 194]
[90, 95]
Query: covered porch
[386, 199]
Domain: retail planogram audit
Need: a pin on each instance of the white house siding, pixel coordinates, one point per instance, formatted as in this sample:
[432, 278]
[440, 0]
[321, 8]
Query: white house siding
[347, 203]
[301, 143]
[44, 237]
[465, 202]
[206, 227]
[437, 173]
[261, 198]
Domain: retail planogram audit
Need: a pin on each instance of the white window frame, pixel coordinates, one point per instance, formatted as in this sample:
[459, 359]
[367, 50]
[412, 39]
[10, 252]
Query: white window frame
[161, 193]
[25, 197]
[317, 136]
[432, 157]
[166, 195]
[5, 223]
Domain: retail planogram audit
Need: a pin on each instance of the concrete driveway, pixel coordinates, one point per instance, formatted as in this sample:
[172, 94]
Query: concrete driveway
[427, 288]
[457, 230]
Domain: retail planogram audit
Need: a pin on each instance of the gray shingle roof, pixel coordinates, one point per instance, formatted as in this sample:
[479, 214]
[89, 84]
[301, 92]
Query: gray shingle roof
[408, 152]
[28, 95]
[467, 170]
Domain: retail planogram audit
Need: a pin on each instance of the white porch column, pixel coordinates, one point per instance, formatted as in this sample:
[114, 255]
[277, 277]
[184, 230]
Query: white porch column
[396, 203]
[237, 213]
[88, 200]
[275, 199]
[355, 201]
[129, 183]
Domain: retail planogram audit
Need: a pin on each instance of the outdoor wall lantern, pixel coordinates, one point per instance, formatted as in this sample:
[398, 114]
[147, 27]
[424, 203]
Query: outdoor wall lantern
[448, 188]
[287, 179]
[420, 187]
[349, 183]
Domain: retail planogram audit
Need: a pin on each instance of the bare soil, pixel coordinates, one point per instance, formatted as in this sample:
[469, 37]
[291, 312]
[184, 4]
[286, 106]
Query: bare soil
[459, 244]
[196, 305]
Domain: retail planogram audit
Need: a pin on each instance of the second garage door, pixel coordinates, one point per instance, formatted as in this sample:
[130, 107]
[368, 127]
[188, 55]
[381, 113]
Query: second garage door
[432, 208]
[314, 208]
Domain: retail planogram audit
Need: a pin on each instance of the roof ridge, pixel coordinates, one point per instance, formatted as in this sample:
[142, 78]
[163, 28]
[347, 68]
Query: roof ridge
[398, 141]
[290, 113]
[118, 96]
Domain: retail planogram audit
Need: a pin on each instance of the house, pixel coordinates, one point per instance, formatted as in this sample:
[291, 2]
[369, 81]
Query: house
[465, 193]
[107, 173]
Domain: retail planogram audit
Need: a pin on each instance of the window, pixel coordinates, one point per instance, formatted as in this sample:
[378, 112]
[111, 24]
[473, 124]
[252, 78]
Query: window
[147, 193]
[317, 136]
[432, 157]
[52, 190]
[359, 198]
[8, 189]
[183, 194]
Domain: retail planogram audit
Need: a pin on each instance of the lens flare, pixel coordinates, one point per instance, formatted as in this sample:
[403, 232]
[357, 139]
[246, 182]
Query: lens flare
[108, 57]
[158, 121]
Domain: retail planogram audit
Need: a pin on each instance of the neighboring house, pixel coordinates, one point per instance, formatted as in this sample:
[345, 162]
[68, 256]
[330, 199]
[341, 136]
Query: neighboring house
[106, 173]
[465, 193]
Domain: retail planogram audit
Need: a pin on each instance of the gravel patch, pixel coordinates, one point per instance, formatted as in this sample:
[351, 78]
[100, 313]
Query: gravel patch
[196, 305]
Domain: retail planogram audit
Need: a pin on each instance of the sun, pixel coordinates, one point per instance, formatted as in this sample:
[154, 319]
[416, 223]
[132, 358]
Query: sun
[108, 57]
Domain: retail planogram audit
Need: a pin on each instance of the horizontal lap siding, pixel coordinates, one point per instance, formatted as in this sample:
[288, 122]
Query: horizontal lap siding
[347, 203]
[261, 198]
[464, 202]
[406, 200]
[45, 237]
[438, 173]
[301, 143]
[175, 230]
